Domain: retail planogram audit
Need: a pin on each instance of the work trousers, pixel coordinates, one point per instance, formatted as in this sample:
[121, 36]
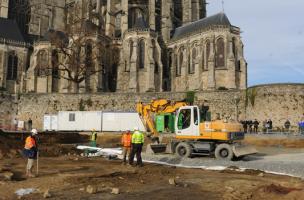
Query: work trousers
[30, 163]
[93, 143]
[126, 151]
[136, 149]
[255, 129]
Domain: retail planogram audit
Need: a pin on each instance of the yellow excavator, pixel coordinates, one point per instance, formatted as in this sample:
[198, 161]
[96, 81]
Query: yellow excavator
[193, 137]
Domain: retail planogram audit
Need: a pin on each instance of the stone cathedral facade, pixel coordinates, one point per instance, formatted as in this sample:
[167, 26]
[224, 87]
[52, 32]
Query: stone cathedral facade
[141, 46]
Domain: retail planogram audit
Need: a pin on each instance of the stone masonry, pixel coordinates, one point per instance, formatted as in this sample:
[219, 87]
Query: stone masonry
[145, 46]
[278, 102]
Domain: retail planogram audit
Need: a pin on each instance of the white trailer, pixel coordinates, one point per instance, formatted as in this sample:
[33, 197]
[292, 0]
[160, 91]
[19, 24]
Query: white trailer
[88, 120]
[50, 122]
[79, 120]
[121, 121]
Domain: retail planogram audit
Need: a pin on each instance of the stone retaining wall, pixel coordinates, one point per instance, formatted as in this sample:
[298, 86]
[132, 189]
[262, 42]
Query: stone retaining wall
[278, 102]
[8, 110]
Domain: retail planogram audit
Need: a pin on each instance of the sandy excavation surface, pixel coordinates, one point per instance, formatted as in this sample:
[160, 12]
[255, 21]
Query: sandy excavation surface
[66, 175]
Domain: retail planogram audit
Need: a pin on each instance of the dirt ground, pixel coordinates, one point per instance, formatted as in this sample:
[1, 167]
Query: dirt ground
[68, 176]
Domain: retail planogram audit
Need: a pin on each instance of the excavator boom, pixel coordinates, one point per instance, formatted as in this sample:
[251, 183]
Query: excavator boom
[159, 106]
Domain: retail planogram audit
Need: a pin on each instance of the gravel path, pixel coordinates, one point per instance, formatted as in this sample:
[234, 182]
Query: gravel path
[287, 163]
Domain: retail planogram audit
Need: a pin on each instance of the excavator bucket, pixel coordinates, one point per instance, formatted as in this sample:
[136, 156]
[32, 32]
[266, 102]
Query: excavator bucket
[156, 148]
[242, 150]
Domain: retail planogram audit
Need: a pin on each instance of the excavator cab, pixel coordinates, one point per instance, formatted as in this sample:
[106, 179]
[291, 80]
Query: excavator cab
[187, 121]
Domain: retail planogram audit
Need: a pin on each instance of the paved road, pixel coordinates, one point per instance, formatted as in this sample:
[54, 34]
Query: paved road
[282, 162]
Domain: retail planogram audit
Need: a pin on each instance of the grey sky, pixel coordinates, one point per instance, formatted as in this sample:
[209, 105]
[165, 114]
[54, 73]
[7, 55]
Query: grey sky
[273, 35]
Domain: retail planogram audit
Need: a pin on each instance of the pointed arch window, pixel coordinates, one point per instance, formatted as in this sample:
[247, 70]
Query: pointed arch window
[118, 25]
[136, 14]
[55, 64]
[12, 67]
[127, 61]
[141, 54]
[88, 59]
[42, 63]
[155, 57]
[203, 58]
[235, 54]
[207, 51]
[180, 63]
[131, 48]
[194, 10]
[88, 53]
[193, 60]
[178, 13]
[220, 53]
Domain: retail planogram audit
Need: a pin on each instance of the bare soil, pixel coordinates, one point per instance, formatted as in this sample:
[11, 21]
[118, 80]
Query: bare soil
[67, 175]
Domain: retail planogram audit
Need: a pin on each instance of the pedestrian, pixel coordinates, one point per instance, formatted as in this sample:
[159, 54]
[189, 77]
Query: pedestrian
[256, 125]
[126, 145]
[250, 124]
[180, 121]
[287, 125]
[267, 126]
[246, 126]
[31, 151]
[264, 126]
[93, 138]
[243, 124]
[137, 141]
[301, 127]
[270, 125]
[30, 123]
[15, 124]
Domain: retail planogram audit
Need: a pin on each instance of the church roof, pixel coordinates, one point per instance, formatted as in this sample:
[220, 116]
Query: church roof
[9, 30]
[217, 19]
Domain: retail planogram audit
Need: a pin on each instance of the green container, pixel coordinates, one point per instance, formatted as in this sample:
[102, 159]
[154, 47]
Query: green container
[164, 123]
[171, 123]
[160, 123]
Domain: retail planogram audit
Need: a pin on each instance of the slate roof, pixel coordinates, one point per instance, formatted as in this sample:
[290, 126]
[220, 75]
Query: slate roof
[9, 30]
[217, 19]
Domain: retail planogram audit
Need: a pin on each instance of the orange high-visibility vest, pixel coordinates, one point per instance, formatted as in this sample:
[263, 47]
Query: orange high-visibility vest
[126, 140]
[29, 142]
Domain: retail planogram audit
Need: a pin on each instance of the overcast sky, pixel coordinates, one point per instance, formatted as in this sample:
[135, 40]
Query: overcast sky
[273, 35]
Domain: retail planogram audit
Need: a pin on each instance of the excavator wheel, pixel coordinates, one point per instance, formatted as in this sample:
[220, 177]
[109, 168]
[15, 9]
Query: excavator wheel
[183, 150]
[224, 152]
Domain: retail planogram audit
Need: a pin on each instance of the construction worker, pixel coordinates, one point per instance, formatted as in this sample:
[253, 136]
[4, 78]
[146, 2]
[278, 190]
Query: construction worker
[93, 138]
[137, 144]
[30, 151]
[126, 144]
[180, 121]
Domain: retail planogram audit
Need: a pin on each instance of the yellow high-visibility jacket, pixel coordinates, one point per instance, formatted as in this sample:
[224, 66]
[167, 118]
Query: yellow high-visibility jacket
[138, 137]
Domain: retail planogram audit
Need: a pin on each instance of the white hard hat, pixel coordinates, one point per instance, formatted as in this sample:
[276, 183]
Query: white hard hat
[135, 128]
[34, 131]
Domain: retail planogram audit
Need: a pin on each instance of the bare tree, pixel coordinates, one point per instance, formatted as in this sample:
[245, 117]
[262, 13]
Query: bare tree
[79, 50]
